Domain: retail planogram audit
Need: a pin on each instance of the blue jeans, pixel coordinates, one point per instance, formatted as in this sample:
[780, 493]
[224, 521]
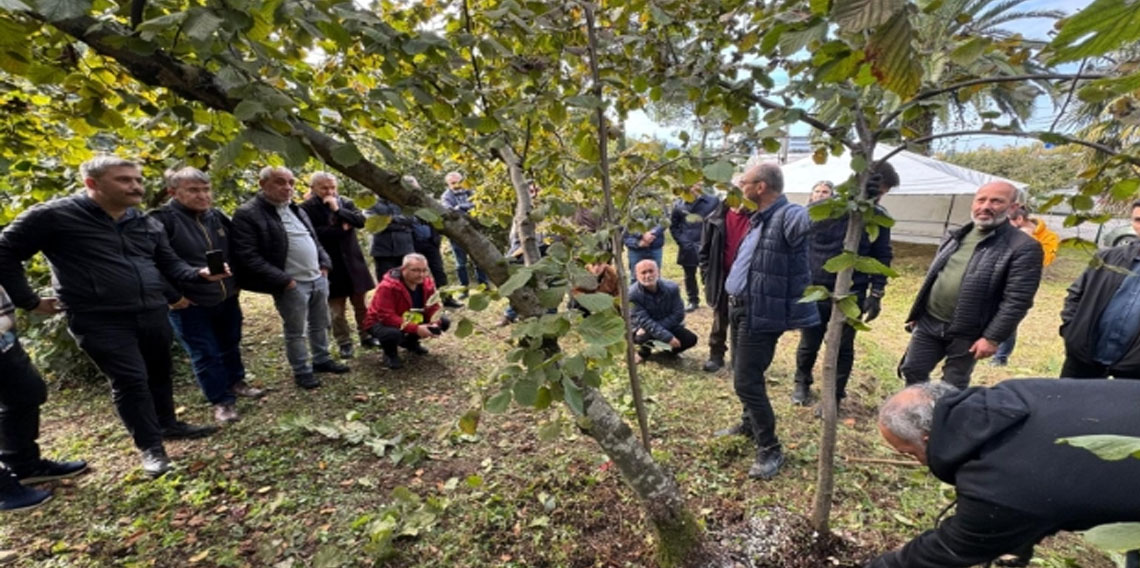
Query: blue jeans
[638, 255]
[212, 337]
[1006, 348]
[461, 267]
[305, 315]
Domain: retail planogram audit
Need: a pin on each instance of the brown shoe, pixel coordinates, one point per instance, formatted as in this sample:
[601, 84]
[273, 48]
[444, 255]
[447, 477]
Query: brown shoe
[243, 389]
[225, 413]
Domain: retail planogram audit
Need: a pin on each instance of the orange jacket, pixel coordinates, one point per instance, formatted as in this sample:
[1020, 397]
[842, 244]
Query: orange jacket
[1049, 240]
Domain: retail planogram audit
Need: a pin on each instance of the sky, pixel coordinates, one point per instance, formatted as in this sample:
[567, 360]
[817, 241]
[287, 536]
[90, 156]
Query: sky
[639, 123]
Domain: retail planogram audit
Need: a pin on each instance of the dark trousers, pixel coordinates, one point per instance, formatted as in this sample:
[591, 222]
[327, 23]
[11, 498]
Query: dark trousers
[928, 345]
[751, 355]
[811, 339]
[718, 335]
[391, 339]
[683, 335]
[434, 260]
[977, 533]
[461, 267]
[386, 263]
[133, 351]
[212, 337]
[22, 391]
[1074, 368]
[692, 290]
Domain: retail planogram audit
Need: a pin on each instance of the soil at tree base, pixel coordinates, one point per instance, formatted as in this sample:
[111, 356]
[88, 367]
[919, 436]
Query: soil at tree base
[778, 538]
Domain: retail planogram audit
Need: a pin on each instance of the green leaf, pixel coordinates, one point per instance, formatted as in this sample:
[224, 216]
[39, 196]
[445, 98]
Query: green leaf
[469, 422]
[478, 302]
[53, 10]
[843, 260]
[1101, 27]
[820, 7]
[815, 294]
[464, 328]
[573, 396]
[202, 24]
[430, 217]
[377, 223]
[584, 101]
[1115, 537]
[549, 431]
[526, 391]
[544, 398]
[966, 54]
[870, 265]
[602, 329]
[481, 124]
[859, 15]
[894, 62]
[1125, 189]
[849, 305]
[248, 110]
[596, 302]
[720, 171]
[346, 155]
[1108, 447]
[516, 281]
[498, 404]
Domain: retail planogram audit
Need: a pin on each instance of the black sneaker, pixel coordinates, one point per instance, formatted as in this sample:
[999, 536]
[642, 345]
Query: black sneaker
[330, 367]
[767, 463]
[47, 470]
[451, 303]
[801, 396]
[416, 347]
[713, 365]
[346, 351]
[367, 341]
[393, 362]
[16, 497]
[180, 430]
[740, 429]
[155, 464]
[692, 307]
[306, 381]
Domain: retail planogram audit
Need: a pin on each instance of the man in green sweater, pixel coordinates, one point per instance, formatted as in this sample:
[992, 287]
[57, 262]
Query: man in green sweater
[978, 289]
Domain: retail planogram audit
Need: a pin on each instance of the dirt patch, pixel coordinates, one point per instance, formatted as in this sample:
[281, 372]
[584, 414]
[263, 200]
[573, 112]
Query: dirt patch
[778, 538]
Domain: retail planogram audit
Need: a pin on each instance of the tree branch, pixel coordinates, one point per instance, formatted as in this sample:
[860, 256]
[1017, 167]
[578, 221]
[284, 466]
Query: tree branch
[1033, 135]
[804, 118]
[1068, 96]
[985, 81]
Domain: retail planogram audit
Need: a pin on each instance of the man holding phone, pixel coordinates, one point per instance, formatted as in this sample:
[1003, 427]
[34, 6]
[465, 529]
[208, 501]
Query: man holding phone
[207, 318]
[402, 309]
[111, 265]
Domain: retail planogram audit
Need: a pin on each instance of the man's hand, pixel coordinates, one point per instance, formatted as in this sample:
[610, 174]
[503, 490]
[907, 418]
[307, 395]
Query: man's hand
[423, 332]
[324, 272]
[872, 306]
[48, 306]
[675, 343]
[291, 285]
[182, 303]
[983, 348]
[204, 273]
[332, 202]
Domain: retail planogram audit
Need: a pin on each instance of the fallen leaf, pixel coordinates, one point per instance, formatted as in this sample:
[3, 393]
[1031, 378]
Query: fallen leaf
[199, 557]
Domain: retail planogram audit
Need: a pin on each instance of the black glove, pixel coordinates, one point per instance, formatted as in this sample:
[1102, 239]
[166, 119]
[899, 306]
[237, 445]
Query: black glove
[871, 307]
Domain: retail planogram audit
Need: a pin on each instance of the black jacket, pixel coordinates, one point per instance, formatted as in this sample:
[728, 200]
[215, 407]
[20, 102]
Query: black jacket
[349, 275]
[1087, 299]
[997, 287]
[260, 246]
[827, 242]
[191, 234]
[659, 313]
[687, 233]
[711, 254]
[396, 239]
[100, 265]
[998, 447]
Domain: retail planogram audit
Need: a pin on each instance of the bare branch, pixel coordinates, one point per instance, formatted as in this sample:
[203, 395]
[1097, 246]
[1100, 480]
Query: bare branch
[1068, 96]
[805, 118]
[1016, 134]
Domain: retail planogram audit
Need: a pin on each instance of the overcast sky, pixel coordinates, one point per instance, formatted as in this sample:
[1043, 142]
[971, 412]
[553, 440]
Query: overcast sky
[639, 124]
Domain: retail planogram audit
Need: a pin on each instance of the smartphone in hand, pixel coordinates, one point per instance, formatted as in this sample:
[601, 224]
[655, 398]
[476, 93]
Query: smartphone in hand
[434, 329]
[216, 261]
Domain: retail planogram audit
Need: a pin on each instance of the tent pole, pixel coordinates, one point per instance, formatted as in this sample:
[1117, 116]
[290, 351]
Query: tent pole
[949, 212]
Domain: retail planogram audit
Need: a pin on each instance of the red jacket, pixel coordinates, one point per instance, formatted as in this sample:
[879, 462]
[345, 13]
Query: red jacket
[392, 300]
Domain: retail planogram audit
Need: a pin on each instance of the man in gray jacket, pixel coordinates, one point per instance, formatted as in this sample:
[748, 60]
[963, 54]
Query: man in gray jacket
[978, 289]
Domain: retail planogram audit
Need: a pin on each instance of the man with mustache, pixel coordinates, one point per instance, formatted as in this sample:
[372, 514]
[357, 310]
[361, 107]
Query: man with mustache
[979, 287]
[110, 265]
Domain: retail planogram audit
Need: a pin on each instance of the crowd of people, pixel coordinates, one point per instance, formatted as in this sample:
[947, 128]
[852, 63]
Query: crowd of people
[130, 283]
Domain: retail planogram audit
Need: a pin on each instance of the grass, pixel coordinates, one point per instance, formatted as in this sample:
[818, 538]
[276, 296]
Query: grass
[299, 481]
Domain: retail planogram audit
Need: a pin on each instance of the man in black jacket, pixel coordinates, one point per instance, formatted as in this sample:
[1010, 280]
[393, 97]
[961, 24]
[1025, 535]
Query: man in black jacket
[685, 225]
[275, 251]
[827, 242]
[656, 312]
[207, 318]
[1101, 318]
[335, 219]
[978, 289]
[721, 235]
[396, 240]
[111, 265]
[1015, 483]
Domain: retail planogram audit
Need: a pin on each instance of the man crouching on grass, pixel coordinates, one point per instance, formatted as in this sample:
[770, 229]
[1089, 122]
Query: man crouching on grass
[403, 294]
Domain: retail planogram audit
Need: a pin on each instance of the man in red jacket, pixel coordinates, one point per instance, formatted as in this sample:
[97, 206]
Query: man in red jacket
[402, 309]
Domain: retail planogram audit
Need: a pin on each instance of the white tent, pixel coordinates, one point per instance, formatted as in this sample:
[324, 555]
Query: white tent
[932, 196]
